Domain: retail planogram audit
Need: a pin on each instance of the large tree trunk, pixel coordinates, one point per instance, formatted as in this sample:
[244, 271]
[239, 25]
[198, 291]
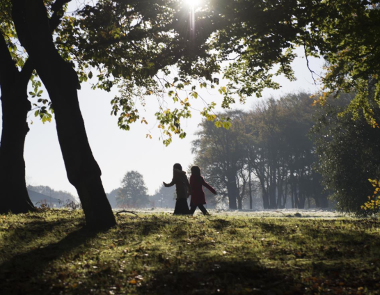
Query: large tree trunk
[15, 107]
[61, 82]
[14, 195]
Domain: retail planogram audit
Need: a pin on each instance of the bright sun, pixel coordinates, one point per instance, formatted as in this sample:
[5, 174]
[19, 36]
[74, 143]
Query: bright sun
[193, 3]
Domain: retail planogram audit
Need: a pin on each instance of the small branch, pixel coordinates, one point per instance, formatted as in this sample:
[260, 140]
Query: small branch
[126, 211]
[308, 66]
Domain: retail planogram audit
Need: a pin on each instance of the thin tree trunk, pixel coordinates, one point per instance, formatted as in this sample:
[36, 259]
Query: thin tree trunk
[61, 82]
[240, 203]
[15, 107]
[250, 189]
[232, 192]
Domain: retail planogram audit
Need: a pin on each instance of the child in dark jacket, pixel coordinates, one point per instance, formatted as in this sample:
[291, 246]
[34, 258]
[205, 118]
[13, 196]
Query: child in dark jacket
[182, 189]
[198, 198]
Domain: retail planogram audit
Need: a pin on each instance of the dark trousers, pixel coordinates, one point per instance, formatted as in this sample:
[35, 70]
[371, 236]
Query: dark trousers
[200, 206]
[181, 207]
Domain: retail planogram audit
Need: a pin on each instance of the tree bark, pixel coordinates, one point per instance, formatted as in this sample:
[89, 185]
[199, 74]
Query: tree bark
[15, 107]
[61, 82]
[14, 195]
[232, 192]
[240, 203]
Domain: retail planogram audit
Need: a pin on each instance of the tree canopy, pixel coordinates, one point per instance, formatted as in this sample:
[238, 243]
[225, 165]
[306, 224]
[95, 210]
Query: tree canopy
[346, 34]
[155, 48]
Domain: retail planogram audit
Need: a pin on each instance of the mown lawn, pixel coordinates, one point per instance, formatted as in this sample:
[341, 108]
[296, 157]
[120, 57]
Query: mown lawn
[50, 253]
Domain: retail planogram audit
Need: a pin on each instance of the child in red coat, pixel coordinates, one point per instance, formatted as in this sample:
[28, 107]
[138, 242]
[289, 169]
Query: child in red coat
[197, 194]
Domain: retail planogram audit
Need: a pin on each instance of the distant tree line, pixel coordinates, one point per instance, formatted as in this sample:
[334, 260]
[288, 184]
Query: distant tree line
[267, 150]
[63, 196]
[294, 153]
[133, 193]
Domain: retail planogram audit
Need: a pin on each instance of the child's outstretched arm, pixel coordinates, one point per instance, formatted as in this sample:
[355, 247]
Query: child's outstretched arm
[168, 184]
[209, 187]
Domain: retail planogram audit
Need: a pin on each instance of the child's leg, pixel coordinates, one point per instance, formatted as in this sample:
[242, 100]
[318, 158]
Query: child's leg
[177, 209]
[192, 208]
[181, 207]
[203, 209]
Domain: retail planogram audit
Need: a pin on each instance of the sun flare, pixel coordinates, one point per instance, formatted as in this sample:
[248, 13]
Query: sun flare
[192, 3]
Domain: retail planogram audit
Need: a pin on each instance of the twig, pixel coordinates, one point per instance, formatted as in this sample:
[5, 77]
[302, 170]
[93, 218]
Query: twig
[126, 211]
[281, 213]
[308, 65]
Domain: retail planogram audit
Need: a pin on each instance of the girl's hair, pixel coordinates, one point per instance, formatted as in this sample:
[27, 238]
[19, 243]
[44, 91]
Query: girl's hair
[195, 170]
[177, 166]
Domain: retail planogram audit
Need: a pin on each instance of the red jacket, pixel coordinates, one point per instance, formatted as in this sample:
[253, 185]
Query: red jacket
[197, 193]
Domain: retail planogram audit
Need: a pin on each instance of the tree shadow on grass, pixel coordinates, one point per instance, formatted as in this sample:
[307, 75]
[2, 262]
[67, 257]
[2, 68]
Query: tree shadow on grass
[21, 236]
[346, 254]
[219, 276]
[144, 227]
[219, 224]
[274, 229]
[23, 273]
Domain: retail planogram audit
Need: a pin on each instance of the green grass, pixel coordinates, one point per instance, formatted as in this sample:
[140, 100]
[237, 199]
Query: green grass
[50, 253]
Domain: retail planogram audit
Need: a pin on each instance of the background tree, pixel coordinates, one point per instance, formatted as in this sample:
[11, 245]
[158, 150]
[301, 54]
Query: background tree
[268, 145]
[281, 154]
[133, 192]
[111, 196]
[348, 153]
[164, 197]
[220, 155]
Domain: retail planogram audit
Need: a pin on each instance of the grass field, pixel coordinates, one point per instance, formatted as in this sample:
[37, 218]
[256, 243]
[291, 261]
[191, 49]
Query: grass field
[156, 253]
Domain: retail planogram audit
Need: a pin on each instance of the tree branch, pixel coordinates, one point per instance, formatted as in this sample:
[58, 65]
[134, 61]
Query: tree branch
[55, 19]
[54, 22]
[8, 66]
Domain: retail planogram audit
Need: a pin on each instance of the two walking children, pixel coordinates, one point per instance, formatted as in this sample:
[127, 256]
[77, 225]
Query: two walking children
[184, 189]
